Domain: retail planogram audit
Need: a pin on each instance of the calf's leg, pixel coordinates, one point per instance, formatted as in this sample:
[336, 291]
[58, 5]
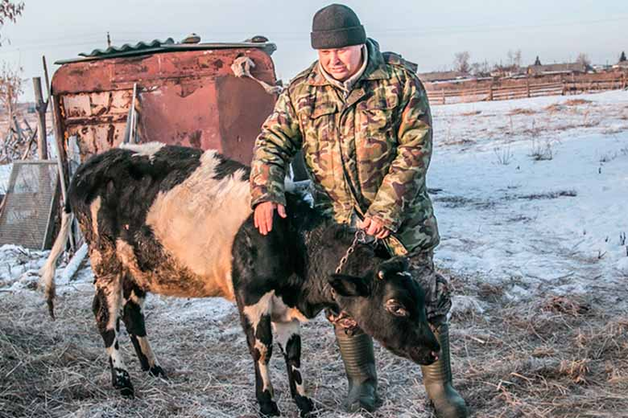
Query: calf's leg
[133, 318]
[106, 307]
[289, 341]
[259, 337]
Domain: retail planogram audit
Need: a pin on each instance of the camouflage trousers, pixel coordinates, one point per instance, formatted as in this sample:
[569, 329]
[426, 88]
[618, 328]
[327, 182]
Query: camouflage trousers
[435, 286]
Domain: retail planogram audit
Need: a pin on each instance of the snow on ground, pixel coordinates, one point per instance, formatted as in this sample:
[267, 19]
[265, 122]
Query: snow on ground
[536, 198]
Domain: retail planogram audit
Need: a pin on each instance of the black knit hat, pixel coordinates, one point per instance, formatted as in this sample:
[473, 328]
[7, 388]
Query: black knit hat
[336, 26]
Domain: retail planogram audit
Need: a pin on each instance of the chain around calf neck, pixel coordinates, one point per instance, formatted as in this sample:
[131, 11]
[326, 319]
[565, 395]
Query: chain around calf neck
[360, 236]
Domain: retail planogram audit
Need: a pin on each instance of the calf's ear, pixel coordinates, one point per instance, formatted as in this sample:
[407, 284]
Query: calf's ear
[349, 285]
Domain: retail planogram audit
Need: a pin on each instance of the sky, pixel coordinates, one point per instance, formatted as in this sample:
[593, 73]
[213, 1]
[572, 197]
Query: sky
[426, 32]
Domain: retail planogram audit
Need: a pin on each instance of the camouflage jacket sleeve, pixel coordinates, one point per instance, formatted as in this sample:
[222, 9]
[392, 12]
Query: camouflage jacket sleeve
[406, 175]
[278, 142]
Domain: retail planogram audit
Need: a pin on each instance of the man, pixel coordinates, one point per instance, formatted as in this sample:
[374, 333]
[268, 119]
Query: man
[363, 122]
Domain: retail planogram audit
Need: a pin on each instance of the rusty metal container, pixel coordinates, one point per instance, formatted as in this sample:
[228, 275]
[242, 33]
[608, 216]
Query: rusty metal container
[186, 94]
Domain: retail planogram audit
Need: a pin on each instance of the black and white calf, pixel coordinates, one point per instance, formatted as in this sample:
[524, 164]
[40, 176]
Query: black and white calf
[177, 221]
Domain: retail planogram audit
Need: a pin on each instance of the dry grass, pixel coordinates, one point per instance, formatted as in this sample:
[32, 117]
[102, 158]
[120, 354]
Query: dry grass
[554, 108]
[542, 150]
[576, 102]
[521, 111]
[549, 195]
[550, 357]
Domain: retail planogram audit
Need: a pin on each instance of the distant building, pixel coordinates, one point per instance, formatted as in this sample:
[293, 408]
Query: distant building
[509, 71]
[557, 69]
[602, 68]
[622, 65]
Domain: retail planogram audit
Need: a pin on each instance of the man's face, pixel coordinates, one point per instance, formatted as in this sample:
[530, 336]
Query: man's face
[341, 63]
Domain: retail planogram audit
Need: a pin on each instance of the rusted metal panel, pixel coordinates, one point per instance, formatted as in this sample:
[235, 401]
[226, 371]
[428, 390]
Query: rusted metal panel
[238, 129]
[184, 97]
[197, 121]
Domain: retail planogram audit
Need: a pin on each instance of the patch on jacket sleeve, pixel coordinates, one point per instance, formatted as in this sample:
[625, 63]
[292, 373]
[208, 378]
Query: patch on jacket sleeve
[393, 58]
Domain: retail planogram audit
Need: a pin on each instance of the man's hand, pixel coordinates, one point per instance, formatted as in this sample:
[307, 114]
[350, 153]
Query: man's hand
[264, 216]
[374, 228]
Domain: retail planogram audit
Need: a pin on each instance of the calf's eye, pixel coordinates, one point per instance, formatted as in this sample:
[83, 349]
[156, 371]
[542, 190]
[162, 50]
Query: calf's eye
[396, 308]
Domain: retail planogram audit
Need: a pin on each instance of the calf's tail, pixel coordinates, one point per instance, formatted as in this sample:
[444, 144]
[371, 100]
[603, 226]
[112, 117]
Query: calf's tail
[47, 272]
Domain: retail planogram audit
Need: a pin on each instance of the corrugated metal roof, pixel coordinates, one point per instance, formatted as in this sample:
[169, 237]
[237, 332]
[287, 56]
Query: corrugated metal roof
[169, 45]
[140, 46]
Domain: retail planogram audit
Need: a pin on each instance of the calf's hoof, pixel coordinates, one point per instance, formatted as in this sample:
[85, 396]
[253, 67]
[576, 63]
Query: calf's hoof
[122, 381]
[269, 409]
[306, 406]
[157, 371]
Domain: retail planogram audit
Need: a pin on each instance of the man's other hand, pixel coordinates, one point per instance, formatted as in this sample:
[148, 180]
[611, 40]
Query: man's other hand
[263, 216]
[374, 228]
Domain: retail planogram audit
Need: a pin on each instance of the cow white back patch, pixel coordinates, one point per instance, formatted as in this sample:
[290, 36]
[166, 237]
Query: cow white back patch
[148, 149]
[196, 221]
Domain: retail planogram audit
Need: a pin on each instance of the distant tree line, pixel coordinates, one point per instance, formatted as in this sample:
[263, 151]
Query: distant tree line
[462, 63]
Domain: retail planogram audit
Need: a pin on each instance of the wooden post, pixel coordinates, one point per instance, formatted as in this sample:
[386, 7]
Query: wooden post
[43, 58]
[62, 165]
[443, 91]
[41, 106]
[528, 87]
[490, 93]
[18, 129]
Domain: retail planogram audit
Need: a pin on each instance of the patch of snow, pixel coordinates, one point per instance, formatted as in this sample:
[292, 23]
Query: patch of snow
[622, 266]
[464, 305]
[546, 222]
[5, 174]
[15, 262]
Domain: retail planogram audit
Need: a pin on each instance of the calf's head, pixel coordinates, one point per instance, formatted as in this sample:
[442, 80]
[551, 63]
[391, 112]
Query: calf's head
[388, 305]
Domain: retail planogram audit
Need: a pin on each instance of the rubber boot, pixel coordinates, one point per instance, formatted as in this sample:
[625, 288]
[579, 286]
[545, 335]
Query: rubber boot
[357, 354]
[438, 382]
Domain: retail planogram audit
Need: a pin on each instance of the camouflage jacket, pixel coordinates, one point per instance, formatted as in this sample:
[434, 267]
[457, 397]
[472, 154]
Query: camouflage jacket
[381, 133]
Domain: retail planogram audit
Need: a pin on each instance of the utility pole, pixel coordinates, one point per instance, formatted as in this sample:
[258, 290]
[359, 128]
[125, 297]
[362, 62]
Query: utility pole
[108, 40]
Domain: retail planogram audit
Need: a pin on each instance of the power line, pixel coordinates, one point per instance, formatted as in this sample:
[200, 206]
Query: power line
[290, 36]
[489, 27]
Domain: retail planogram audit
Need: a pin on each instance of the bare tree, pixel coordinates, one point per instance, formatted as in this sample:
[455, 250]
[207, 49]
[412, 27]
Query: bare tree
[10, 88]
[514, 59]
[461, 62]
[481, 69]
[9, 11]
[583, 59]
[12, 142]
